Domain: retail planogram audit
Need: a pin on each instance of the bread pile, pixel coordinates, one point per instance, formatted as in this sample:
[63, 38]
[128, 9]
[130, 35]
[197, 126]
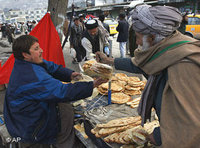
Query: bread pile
[129, 85]
[94, 69]
[123, 87]
[124, 130]
[103, 88]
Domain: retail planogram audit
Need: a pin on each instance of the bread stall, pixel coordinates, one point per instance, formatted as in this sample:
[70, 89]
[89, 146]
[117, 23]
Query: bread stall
[117, 125]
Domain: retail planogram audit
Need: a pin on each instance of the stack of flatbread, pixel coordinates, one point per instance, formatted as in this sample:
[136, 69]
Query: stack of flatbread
[123, 87]
[125, 130]
[103, 88]
[88, 64]
[122, 131]
[95, 69]
[116, 125]
[130, 85]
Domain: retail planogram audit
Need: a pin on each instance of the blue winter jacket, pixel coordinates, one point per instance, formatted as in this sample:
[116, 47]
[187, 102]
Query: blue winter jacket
[31, 99]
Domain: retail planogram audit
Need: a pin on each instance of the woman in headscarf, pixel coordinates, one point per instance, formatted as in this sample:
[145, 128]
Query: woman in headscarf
[170, 61]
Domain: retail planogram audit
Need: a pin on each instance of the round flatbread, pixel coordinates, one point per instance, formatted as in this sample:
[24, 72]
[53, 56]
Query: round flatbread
[133, 79]
[132, 92]
[114, 87]
[120, 98]
[128, 87]
[121, 76]
[120, 83]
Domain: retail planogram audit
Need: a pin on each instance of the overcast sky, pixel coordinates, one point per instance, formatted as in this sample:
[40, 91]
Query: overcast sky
[23, 3]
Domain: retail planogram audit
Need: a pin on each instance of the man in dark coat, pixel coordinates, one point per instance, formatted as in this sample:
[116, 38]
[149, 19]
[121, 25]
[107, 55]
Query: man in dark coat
[122, 38]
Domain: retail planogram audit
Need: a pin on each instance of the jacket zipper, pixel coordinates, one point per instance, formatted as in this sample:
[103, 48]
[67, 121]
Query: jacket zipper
[37, 129]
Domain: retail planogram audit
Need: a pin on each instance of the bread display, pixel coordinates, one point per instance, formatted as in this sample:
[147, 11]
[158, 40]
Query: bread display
[128, 85]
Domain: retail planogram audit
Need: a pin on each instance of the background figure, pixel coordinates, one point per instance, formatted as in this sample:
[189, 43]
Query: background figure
[132, 41]
[183, 23]
[82, 20]
[95, 38]
[3, 29]
[122, 38]
[106, 26]
[10, 33]
[75, 40]
[65, 26]
[33, 24]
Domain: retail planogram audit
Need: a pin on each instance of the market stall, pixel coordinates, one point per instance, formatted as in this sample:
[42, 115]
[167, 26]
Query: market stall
[101, 124]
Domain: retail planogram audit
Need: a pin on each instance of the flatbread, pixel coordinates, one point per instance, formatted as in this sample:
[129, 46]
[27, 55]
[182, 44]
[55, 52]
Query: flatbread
[114, 78]
[107, 131]
[120, 83]
[135, 83]
[81, 129]
[114, 87]
[134, 79]
[128, 87]
[132, 92]
[120, 98]
[120, 122]
[121, 76]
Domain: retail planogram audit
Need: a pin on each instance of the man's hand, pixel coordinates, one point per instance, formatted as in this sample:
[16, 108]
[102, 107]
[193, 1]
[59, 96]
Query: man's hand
[102, 58]
[99, 81]
[76, 76]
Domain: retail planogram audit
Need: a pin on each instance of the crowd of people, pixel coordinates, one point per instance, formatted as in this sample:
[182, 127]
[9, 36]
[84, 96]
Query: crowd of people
[9, 30]
[37, 104]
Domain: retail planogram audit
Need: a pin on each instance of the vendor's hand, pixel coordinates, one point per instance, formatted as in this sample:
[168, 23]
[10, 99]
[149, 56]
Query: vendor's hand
[102, 58]
[76, 76]
[99, 81]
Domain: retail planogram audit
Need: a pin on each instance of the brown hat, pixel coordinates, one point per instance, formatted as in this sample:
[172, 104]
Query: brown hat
[91, 24]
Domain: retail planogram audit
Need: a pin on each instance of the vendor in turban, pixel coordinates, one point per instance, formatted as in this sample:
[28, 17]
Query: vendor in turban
[171, 63]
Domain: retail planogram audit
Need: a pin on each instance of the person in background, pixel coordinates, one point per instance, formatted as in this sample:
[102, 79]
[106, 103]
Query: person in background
[33, 24]
[106, 26]
[36, 106]
[132, 41]
[75, 40]
[122, 38]
[170, 61]
[65, 26]
[82, 20]
[3, 29]
[10, 33]
[183, 23]
[95, 38]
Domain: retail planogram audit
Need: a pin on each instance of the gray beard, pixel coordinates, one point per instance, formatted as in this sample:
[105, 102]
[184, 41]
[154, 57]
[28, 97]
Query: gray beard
[146, 44]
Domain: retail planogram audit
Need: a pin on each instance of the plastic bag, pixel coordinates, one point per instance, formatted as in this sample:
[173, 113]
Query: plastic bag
[72, 52]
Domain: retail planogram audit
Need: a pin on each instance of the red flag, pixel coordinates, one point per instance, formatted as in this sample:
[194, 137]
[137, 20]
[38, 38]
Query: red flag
[49, 41]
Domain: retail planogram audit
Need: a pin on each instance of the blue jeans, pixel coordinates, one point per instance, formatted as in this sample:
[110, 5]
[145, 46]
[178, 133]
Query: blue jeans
[122, 47]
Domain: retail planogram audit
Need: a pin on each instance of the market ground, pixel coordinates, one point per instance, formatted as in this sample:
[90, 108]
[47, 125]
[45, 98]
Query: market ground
[5, 52]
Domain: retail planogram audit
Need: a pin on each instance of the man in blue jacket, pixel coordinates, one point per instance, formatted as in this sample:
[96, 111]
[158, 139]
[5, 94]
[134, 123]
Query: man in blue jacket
[31, 108]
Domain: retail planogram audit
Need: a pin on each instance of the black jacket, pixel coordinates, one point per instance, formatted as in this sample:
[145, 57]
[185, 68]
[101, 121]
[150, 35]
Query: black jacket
[122, 28]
